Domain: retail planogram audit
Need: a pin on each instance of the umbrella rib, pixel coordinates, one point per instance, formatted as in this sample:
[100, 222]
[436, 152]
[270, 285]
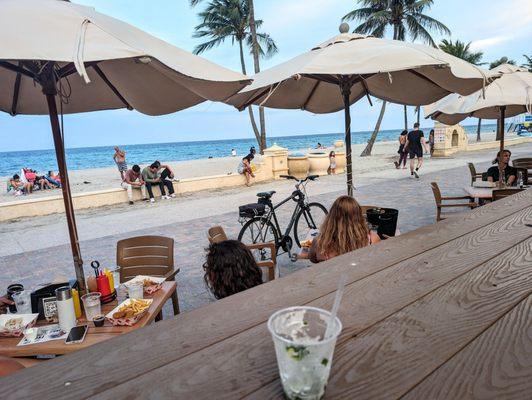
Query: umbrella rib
[311, 94]
[323, 78]
[111, 86]
[254, 98]
[420, 75]
[15, 68]
[16, 91]
[70, 68]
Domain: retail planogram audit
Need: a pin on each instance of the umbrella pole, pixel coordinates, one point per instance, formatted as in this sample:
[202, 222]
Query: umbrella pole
[48, 82]
[345, 87]
[500, 135]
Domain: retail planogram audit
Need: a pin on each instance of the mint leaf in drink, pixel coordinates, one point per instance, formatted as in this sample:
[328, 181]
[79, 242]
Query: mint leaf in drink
[297, 352]
[324, 362]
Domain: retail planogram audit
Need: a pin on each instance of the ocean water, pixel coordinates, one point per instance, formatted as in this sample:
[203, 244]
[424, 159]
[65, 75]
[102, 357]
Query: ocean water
[97, 157]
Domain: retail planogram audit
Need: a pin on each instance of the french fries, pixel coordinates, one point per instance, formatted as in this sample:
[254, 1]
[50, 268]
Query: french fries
[133, 308]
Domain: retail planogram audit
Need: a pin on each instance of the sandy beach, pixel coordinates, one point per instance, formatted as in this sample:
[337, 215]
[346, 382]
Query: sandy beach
[86, 180]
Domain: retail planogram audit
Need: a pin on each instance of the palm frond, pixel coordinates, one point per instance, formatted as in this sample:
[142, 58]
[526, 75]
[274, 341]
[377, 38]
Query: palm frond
[200, 48]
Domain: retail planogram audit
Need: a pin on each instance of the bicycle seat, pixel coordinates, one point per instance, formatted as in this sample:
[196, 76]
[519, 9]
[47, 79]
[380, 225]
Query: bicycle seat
[266, 195]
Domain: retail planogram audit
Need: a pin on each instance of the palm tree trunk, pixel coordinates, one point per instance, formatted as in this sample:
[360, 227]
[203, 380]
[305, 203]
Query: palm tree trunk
[250, 110]
[371, 141]
[255, 51]
[478, 129]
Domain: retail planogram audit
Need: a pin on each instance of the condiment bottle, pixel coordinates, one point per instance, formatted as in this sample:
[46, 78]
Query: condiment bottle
[103, 285]
[109, 275]
[65, 308]
[91, 284]
[77, 305]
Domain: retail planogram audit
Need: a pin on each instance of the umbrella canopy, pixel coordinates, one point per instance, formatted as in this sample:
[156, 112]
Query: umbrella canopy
[508, 96]
[513, 91]
[57, 55]
[347, 67]
[125, 66]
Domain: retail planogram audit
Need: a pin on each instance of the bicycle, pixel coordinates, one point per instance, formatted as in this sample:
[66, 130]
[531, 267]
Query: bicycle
[265, 228]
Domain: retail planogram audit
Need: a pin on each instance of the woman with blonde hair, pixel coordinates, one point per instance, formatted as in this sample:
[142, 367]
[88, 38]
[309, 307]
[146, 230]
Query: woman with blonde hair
[343, 230]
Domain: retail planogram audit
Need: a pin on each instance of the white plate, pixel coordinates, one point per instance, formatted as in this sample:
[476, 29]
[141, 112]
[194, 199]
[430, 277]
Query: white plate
[126, 321]
[140, 278]
[27, 320]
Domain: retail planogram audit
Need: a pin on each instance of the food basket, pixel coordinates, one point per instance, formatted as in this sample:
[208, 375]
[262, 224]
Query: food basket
[127, 321]
[148, 289]
[21, 322]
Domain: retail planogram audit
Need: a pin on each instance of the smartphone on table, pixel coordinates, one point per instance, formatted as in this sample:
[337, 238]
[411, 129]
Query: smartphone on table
[77, 334]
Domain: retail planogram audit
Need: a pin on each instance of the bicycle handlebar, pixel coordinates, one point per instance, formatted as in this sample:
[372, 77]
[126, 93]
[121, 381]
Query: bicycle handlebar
[310, 177]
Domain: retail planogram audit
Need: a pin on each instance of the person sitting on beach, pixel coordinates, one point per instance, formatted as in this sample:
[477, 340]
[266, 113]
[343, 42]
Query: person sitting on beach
[244, 168]
[402, 151]
[230, 268]
[120, 160]
[17, 188]
[233, 153]
[510, 173]
[344, 229]
[167, 177]
[151, 177]
[332, 163]
[53, 179]
[40, 179]
[133, 179]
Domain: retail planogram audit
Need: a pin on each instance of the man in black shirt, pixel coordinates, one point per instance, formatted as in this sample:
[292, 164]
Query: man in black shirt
[510, 173]
[415, 142]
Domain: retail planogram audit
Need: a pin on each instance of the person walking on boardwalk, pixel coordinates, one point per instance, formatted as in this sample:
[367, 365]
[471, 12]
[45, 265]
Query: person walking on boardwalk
[415, 143]
[120, 160]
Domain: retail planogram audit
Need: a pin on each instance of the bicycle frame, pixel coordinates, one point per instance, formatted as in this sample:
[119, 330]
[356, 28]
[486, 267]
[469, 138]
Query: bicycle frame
[273, 215]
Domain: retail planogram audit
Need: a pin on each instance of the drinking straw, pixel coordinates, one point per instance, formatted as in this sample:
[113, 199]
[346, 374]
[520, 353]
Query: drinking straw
[336, 305]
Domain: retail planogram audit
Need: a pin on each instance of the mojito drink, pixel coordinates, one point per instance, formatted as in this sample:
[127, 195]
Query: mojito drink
[304, 355]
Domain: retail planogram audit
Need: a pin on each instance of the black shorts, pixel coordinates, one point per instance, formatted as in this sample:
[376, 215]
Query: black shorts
[413, 153]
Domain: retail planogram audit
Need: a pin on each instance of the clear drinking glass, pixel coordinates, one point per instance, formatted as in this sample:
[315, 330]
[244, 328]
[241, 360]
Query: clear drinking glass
[22, 301]
[304, 356]
[116, 276]
[92, 305]
[135, 290]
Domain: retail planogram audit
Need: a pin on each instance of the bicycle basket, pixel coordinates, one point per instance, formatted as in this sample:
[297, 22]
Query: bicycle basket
[251, 210]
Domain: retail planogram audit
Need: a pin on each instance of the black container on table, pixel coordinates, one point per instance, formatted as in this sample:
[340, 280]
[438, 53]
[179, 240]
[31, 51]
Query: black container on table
[47, 291]
[385, 219]
[11, 290]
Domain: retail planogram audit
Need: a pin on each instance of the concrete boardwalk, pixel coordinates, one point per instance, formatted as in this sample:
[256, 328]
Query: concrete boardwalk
[37, 251]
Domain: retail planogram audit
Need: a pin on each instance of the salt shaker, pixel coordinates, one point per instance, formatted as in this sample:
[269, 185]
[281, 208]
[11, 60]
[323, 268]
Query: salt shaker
[65, 308]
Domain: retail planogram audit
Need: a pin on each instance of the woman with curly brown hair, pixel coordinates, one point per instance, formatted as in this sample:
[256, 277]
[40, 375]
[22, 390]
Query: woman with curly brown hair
[343, 230]
[230, 268]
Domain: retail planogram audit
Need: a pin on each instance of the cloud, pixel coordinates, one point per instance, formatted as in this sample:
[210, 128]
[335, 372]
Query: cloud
[483, 44]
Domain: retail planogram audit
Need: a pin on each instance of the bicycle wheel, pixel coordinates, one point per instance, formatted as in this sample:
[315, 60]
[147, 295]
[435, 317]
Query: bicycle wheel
[308, 218]
[258, 230]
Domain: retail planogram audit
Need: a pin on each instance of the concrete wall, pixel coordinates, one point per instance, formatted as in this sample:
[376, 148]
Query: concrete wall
[495, 144]
[29, 207]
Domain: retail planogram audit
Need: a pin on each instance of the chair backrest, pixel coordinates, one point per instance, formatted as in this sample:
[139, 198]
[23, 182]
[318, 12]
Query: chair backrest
[145, 255]
[502, 193]
[216, 234]
[473, 172]
[436, 192]
[525, 162]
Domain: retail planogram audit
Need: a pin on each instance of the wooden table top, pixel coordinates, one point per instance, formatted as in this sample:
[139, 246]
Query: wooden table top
[9, 348]
[441, 312]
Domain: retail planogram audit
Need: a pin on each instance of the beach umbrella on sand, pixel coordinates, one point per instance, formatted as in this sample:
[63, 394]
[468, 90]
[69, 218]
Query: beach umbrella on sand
[347, 67]
[508, 96]
[60, 58]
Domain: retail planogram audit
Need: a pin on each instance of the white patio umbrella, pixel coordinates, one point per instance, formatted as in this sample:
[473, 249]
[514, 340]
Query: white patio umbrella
[347, 67]
[508, 96]
[57, 55]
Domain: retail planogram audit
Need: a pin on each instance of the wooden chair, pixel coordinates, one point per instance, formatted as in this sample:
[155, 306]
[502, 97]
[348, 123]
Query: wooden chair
[440, 199]
[217, 234]
[474, 174]
[147, 255]
[502, 193]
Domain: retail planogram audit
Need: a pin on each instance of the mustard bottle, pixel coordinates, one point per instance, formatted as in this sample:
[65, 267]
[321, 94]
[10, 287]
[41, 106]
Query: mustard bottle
[77, 305]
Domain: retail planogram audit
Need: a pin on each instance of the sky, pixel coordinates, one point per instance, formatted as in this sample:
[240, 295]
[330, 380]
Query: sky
[494, 27]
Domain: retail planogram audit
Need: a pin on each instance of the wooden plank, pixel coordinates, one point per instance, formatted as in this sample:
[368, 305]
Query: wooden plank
[388, 359]
[374, 299]
[496, 365]
[174, 339]
[9, 348]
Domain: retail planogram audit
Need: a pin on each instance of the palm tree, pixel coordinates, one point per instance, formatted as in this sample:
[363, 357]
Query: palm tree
[528, 63]
[231, 19]
[406, 18]
[502, 60]
[461, 50]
